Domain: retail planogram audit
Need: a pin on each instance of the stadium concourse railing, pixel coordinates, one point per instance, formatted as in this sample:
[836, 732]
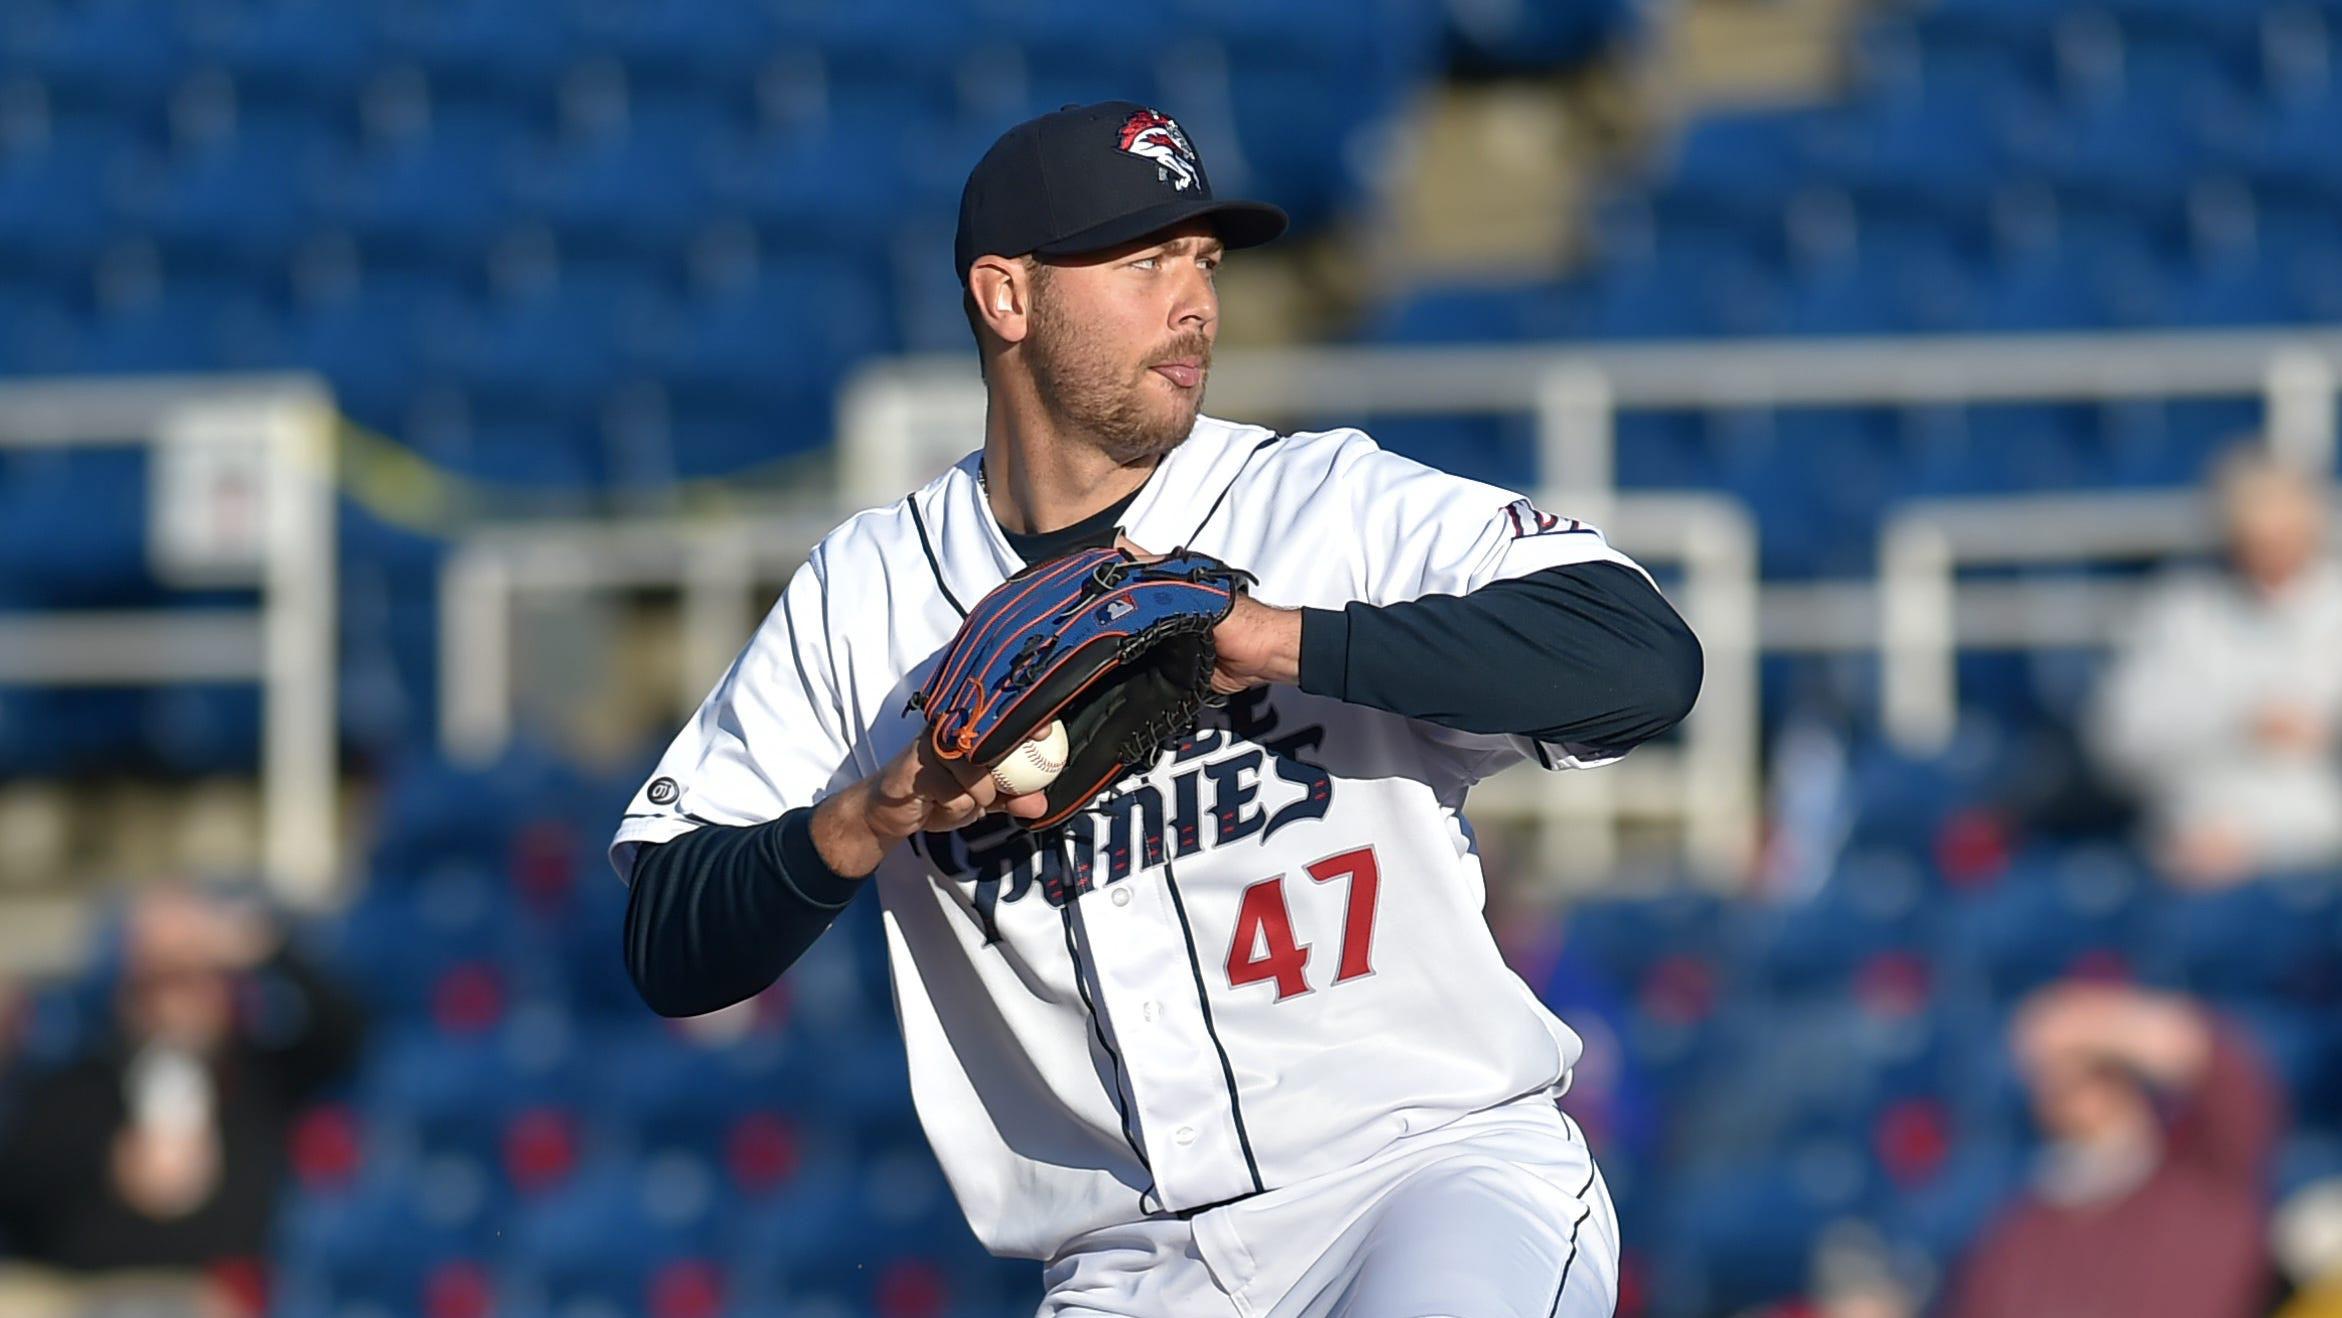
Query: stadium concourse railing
[240, 493]
[901, 421]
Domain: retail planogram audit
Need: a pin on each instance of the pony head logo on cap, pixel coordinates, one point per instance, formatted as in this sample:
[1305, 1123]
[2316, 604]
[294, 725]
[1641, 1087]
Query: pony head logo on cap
[1152, 134]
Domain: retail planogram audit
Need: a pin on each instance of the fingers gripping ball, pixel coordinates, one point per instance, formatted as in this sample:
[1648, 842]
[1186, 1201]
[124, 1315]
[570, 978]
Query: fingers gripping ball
[1117, 649]
[1033, 765]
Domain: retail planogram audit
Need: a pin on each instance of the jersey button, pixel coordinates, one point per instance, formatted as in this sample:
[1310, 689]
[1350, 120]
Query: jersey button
[1185, 1134]
[1151, 1010]
[1122, 896]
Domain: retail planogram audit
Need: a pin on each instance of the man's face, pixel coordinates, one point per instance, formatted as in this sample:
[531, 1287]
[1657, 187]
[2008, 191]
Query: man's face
[1121, 341]
[2084, 1100]
[2275, 526]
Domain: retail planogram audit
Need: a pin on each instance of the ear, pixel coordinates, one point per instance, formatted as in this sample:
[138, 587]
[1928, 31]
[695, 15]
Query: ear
[1003, 293]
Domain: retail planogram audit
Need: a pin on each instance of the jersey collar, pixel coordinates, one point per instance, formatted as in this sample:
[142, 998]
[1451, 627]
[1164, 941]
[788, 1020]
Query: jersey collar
[974, 554]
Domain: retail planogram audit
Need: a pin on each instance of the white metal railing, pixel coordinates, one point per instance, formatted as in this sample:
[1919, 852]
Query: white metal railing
[241, 491]
[717, 566]
[1574, 390]
[722, 569]
[901, 421]
[1926, 614]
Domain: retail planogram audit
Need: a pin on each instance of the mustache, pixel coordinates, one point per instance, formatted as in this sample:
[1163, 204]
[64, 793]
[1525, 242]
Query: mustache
[1188, 345]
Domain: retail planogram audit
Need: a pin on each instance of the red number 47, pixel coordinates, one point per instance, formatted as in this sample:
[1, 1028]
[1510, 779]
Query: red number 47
[1264, 947]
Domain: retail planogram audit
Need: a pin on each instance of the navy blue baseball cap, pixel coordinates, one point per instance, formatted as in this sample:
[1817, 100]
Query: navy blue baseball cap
[1087, 177]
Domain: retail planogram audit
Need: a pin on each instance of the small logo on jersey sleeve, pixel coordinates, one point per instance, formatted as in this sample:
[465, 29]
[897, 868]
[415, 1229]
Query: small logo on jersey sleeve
[1527, 519]
[663, 791]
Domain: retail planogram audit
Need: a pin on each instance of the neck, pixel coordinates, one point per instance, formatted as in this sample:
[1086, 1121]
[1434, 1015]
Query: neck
[1041, 476]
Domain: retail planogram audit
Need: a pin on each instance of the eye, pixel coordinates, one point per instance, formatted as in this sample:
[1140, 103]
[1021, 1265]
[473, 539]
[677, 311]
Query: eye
[1146, 263]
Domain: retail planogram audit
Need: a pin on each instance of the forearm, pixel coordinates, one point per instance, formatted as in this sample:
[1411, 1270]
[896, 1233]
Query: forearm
[1588, 654]
[717, 914]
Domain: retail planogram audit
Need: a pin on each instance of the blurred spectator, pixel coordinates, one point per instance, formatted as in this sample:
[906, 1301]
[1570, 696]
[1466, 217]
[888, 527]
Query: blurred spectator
[162, 1147]
[2147, 1199]
[2223, 708]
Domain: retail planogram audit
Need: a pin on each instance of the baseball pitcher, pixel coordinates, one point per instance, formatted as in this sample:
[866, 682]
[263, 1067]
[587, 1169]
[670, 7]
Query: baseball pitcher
[1152, 733]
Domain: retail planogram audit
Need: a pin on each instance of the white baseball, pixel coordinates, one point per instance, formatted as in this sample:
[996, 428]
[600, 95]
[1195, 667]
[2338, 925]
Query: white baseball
[1034, 765]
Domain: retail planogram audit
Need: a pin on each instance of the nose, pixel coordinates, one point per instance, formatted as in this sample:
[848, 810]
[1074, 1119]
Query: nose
[1195, 306]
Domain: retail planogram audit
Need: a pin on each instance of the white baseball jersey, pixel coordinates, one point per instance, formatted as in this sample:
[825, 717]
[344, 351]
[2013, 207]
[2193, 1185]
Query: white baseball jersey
[1263, 959]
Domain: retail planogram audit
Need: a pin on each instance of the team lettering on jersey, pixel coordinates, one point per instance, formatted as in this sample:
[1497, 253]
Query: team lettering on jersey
[1245, 781]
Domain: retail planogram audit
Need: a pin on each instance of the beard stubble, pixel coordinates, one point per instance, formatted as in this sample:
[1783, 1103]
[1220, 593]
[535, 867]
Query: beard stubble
[1099, 399]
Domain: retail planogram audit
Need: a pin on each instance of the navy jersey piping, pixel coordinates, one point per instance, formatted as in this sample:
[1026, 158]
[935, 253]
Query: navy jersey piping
[1204, 1001]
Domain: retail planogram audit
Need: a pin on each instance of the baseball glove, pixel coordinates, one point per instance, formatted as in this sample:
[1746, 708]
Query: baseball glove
[1119, 649]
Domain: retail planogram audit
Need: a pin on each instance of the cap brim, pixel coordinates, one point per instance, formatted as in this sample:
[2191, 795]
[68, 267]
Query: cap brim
[1239, 224]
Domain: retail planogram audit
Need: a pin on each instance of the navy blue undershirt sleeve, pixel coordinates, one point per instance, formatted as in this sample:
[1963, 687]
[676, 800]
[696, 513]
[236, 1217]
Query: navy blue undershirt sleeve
[1589, 654]
[717, 914]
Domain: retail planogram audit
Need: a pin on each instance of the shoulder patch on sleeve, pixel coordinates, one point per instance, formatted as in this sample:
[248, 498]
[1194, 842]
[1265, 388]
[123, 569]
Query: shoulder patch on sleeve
[1527, 520]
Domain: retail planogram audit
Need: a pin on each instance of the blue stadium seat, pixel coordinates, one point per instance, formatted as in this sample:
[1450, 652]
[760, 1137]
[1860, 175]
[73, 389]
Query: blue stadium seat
[2054, 914]
[1875, 904]
[448, 947]
[600, 1242]
[1902, 60]
[1722, 193]
[506, 52]
[750, 376]
[1671, 299]
[1936, 154]
[1662, 450]
[245, 199]
[818, 190]
[1944, 1216]
[1627, 936]
[375, 1245]
[1468, 313]
[656, 1093]
[2293, 147]
[2252, 289]
[434, 812]
[539, 371]
[427, 1095]
[182, 327]
[693, 49]
[440, 195]
[1381, 40]
[900, 44]
[60, 193]
[50, 732]
[2301, 1046]
[207, 728]
[307, 53]
[114, 58]
[1529, 38]
[1741, 1234]
[73, 526]
[2269, 940]
[38, 329]
[642, 186]
[369, 339]
[1890, 286]
[2131, 156]
[1072, 53]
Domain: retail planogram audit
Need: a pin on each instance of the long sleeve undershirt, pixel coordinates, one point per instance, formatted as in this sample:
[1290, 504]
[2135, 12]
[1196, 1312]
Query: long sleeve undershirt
[1589, 654]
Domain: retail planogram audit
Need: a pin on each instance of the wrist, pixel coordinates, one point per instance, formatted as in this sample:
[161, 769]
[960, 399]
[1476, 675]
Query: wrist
[844, 836]
[1286, 668]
